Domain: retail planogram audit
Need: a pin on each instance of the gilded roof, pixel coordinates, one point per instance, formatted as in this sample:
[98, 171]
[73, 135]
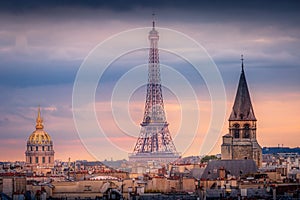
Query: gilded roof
[242, 108]
[39, 136]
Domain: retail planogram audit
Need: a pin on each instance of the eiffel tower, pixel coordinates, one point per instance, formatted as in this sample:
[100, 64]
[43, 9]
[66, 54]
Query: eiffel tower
[154, 142]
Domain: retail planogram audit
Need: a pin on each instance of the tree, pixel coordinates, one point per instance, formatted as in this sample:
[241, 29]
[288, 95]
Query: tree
[208, 158]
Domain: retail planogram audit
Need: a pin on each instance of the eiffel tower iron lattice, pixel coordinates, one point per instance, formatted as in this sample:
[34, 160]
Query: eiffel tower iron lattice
[154, 142]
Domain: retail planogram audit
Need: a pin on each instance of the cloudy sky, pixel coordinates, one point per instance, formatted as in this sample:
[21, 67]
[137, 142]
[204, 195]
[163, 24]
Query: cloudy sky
[44, 43]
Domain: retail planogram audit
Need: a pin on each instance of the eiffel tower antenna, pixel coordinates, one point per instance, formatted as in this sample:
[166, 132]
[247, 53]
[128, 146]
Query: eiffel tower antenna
[153, 20]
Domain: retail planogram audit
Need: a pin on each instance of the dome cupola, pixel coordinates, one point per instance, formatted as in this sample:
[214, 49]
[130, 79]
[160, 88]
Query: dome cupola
[39, 136]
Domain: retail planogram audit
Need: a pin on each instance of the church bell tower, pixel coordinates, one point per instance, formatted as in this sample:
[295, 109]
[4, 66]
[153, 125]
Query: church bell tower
[240, 142]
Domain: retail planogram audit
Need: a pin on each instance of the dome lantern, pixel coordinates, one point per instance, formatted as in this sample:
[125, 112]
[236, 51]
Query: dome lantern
[39, 120]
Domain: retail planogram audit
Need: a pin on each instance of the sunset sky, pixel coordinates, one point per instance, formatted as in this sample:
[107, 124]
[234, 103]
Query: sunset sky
[44, 43]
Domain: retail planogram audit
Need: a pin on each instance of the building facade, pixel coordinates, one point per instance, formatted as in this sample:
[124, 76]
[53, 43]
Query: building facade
[39, 150]
[241, 142]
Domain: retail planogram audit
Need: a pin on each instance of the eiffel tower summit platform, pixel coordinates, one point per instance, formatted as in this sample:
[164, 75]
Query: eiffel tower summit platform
[155, 141]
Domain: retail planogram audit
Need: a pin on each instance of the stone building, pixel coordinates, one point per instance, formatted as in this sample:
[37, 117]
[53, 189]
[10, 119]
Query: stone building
[240, 142]
[39, 152]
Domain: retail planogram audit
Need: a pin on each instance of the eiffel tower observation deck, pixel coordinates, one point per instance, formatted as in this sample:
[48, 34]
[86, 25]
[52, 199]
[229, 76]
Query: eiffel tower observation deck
[154, 142]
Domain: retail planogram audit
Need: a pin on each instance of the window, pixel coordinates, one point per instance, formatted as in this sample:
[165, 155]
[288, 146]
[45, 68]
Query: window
[30, 159]
[43, 159]
[246, 131]
[87, 188]
[43, 148]
[48, 148]
[31, 149]
[49, 159]
[236, 133]
[236, 130]
[36, 148]
[36, 159]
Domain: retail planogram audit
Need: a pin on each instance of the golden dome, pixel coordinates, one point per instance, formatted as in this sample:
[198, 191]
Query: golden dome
[39, 136]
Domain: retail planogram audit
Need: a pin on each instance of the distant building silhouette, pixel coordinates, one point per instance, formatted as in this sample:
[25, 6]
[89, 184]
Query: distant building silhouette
[280, 150]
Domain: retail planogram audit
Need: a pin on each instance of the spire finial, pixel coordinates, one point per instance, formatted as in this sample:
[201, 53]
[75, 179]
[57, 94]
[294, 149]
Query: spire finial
[242, 59]
[153, 20]
[39, 120]
[39, 112]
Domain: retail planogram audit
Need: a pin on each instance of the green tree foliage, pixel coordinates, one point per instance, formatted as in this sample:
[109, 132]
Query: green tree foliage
[208, 158]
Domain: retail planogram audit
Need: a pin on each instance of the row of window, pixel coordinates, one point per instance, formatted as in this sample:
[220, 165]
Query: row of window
[236, 131]
[246, 126]
[245, 135]
[37, 160]
[49, 148]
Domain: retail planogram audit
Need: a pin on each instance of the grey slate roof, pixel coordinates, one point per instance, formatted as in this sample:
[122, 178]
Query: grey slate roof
[234, 167]
[197, 172]
[242, 108]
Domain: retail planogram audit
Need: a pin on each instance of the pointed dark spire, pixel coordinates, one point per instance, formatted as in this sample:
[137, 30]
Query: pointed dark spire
[242, 59]
[242, 108]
